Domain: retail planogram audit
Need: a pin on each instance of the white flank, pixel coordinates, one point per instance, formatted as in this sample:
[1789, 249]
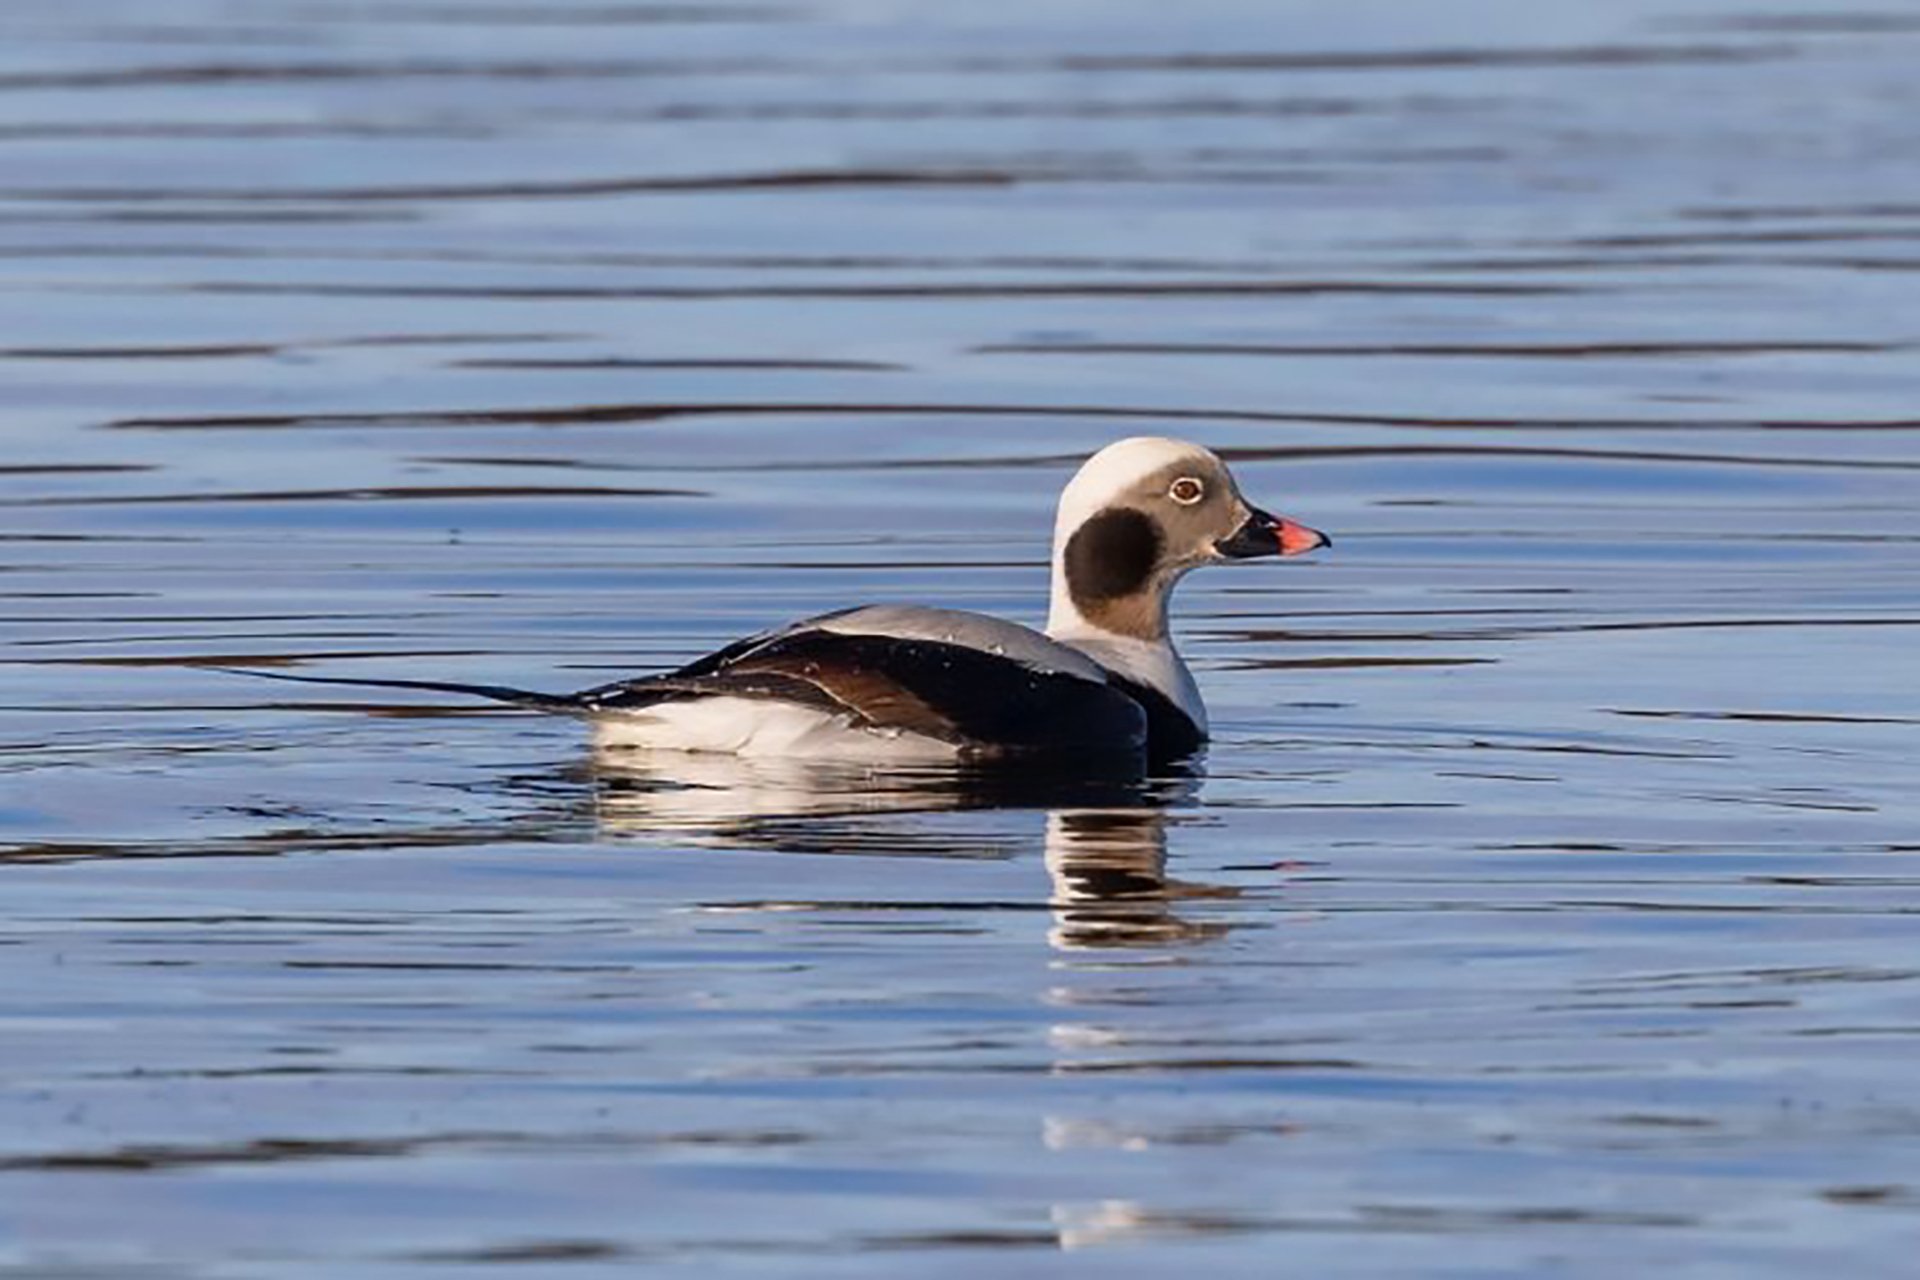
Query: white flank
[761, 727]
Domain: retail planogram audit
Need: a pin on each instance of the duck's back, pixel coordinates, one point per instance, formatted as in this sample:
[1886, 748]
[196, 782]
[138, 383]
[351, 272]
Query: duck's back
[891, 682]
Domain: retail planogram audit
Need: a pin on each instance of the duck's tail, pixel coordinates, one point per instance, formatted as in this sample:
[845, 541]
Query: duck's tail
[564, 703]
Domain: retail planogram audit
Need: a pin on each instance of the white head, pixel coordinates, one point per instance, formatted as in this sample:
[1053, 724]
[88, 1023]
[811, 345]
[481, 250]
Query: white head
[1134, 520]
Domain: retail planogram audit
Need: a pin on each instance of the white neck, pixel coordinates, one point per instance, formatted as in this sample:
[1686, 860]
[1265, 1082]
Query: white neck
[1152, 662]
[1155, 663]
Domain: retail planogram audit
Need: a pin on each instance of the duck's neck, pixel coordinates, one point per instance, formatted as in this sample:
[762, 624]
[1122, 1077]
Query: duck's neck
[1153, 663]
[1133, 642]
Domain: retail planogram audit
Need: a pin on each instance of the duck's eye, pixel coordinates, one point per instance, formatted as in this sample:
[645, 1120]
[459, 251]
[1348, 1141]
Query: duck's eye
[1186, 491]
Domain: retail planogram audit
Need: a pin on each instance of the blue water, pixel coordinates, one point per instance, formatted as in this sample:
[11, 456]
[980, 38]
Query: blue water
[1543, 906]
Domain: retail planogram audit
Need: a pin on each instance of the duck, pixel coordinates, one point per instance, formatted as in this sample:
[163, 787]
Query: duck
[913, 684]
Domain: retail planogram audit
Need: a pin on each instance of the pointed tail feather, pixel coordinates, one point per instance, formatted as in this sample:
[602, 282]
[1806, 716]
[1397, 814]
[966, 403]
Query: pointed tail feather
[495, 692]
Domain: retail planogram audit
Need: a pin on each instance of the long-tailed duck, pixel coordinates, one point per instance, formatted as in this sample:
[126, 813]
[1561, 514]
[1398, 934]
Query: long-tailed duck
[903, 683]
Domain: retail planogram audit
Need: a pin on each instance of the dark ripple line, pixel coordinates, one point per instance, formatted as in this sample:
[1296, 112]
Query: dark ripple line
[537, 831]
[70, 468]
[521, 1252]
[1355, 664]
[145, 1157]
[176, 33]
[1139, 1066]
[616, 414]
[221, 351]
[789, 179]
[1812, 23]
[207, 73]
[210, 351]
[200, 74]
[630, 362]
[1529, 350]
[1789, 975]
[1189, 106]
[1757, 213]
[259, 215]
[1062, 170]
[1271, 635]
[1595, 55]
[407, 493]
[252, 659]
[906, 291]
[1823, 235]
[1641, 262]
[1761, 717]
[236, 130]
[675, 261]
[559, 15]
[454, 966]
[201, 619]
[776, 110]
[198, 635]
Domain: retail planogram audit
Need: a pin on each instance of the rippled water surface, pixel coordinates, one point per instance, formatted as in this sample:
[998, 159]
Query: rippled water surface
[1547, 905]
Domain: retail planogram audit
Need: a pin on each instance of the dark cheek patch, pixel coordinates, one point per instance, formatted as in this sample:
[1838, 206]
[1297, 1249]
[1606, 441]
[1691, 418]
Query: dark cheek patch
[1110, 556]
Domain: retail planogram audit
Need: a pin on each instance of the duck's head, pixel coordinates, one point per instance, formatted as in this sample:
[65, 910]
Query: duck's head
[1140, 514]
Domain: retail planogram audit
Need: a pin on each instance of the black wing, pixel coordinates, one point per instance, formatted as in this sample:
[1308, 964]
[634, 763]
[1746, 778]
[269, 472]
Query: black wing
[1171, 732]
[980, 701]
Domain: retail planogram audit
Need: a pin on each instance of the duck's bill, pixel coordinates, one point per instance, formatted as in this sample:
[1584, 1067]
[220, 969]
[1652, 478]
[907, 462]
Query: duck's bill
[1269, 535]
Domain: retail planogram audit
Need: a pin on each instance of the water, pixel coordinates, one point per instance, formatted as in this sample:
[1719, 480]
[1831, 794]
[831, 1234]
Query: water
[1546, 905]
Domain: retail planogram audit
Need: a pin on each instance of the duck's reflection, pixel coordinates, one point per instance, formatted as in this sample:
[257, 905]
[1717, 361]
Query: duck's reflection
[1110, 885]
[1105, 837]
[1105, 849]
